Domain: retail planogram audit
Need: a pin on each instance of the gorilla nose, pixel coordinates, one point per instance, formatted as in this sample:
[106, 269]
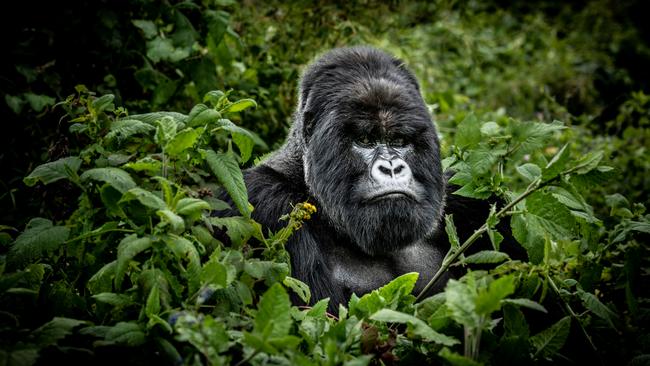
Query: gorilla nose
[391, 171]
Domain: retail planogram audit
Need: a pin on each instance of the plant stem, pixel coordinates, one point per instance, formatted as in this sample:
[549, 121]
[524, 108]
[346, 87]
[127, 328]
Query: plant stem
[450, 259]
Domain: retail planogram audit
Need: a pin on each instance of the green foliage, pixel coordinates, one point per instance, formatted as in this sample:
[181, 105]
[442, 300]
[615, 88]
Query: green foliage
[117, 247]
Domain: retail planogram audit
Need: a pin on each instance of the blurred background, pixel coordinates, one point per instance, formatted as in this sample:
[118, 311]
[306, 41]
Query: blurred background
[585, 63]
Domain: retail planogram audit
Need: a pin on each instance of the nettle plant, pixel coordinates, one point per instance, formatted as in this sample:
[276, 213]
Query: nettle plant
[137, 265]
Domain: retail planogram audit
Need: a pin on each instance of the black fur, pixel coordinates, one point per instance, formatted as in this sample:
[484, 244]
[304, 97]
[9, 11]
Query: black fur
[351, 245]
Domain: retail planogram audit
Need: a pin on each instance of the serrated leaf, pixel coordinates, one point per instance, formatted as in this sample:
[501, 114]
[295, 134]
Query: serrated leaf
[546, 215]
[185, 250]
[148, 199]
[166, 129]
[299, 288]
[215, 274]
[240, 105]
[227, 171]
[147, 164]
[117, 178]
[202, 115]
[54, 330]
[103, 103]
[239, 229]
[128, 248]
[529, 171]
[126, 333]
[468, 132]
[589, 162]
[487, 256]
[40, 237]
[125, 128]
[175, 222]
[152, 307]
[416, 326]
[151, 118]
[38, 101]
[65, 168]
[593, 304]
[182, 141]
[549, 341]
[450, 228]
[102, 281]
[273, 312]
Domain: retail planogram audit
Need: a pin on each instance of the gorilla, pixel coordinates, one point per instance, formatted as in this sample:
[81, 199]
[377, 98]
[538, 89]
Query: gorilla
[364, 150]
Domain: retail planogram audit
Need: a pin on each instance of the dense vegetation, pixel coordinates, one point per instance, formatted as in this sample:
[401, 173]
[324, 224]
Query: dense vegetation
[124, 121]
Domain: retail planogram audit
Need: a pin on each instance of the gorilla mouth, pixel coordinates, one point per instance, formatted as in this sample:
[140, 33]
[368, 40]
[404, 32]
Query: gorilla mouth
[391, 194]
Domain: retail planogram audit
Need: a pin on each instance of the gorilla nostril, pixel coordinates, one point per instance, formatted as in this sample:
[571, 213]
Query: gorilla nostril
[385, 170]
[398, 169]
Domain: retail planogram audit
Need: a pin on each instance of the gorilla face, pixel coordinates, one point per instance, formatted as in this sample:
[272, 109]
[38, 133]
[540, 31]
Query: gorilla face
[372, 160]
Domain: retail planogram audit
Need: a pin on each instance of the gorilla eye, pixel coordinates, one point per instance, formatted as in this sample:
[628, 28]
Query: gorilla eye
[364, 141]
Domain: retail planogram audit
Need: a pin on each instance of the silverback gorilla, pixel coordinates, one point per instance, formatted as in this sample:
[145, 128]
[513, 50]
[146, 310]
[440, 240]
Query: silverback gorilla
[364, 150]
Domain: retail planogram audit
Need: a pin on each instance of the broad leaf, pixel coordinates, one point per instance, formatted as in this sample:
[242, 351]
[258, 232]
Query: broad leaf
[226, 170]
[65, 168]
[117, 178]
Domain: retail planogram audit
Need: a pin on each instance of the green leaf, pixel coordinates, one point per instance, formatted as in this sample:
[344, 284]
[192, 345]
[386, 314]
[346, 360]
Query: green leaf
[593, 304]
[126, 333]
[589, 162]
[545, 214]
[119, 300]
[175, 222]
[162, 49]
[549, 341]
[460, 300]
[145, 197]
[54, 330]
[215, 274]
[240, 105]
[226, 170]
[468, 132]
[64, 168]
[39, 238]
[239, 229]
[300, 288]
[489, 301]
[529, 171]
[146, 164]
[273, 316]
[128, 248]
[103, 103]
[117, 178]
[557, 164]
[125, 128]
[38, 101]
[152, 306]
[202, 115]
[185, 250]
[455, 359]
[450, 228]
[147, 26]
[514, 322]
[182, 141]
[166, 129]
[190, 206]
[527, 303]
[416, 326]
[102, 281]
[487, 256]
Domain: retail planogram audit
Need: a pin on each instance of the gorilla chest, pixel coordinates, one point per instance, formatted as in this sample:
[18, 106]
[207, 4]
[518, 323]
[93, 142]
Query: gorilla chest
[358, 273]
